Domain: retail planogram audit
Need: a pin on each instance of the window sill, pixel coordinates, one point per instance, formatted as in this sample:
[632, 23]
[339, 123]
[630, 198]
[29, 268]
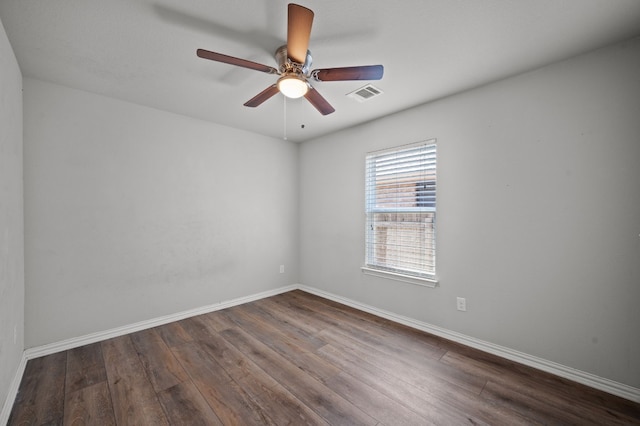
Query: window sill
[424, 282]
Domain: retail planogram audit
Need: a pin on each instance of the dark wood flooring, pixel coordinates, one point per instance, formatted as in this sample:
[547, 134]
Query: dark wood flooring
[298, 359]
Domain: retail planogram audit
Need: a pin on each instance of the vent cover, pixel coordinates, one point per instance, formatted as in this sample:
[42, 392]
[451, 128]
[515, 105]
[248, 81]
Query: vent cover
[365, 93]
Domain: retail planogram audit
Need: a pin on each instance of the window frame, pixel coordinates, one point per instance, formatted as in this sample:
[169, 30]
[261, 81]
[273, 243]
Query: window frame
[422, 277]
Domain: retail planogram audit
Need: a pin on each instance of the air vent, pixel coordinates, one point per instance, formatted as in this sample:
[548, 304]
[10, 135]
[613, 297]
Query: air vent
[365, 93]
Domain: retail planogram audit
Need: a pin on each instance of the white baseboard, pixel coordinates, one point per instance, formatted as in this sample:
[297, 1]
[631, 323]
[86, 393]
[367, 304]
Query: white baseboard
[588, 379]
[13, 391]
[75, 342]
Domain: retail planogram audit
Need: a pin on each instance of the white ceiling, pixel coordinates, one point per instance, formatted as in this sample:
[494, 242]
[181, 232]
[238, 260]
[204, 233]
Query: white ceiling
[144, 51]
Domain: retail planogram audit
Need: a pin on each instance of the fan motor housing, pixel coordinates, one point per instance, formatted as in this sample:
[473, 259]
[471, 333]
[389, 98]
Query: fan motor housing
[285, 65]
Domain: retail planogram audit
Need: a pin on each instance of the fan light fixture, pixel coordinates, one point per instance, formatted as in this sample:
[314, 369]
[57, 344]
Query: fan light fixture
[292, 86]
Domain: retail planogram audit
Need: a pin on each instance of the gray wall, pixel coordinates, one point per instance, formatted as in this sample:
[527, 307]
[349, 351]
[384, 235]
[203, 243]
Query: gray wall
[133, 213]
[11, 218]
[538, 213]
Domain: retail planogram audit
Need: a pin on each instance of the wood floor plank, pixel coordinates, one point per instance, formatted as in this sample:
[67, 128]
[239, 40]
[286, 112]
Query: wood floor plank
[366, 319]
[197, 328]
[163, 370]
[89, 406]
[278, 403]
[23, 415]
[185, 405]
[570, 395]
[40, 398]
[459, 392]
[427, 372]
[227, 399]
[396, 341]
[432, 403]
[217, 320]
[173, 334]
[562, 398]
[294, 331]
[376, 404]
[321, 399]
[133, 397]
[549, 406]
[85, 367]
[536, 410]
[281, 310]
[235, 364]
[289, 346]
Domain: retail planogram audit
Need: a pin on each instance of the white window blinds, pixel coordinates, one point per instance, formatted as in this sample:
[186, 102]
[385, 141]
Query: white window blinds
[401, 209]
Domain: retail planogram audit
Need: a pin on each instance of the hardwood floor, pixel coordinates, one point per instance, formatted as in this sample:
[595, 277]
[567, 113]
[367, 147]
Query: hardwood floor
[298, 359]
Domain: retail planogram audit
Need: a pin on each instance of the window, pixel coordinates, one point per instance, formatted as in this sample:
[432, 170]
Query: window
[401, 210]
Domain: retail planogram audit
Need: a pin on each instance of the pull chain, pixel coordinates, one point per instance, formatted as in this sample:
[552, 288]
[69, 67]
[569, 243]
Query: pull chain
[285, 118]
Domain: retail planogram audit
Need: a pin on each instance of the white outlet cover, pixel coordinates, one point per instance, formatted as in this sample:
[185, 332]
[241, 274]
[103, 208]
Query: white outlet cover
[461, 303]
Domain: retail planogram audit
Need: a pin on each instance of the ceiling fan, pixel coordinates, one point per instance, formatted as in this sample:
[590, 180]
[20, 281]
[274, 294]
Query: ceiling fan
[294, 61]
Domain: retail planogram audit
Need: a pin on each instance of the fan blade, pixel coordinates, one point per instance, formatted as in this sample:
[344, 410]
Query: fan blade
[262, 96]
[298, 32]
[319, 102]
[219, 57]
[367, 72]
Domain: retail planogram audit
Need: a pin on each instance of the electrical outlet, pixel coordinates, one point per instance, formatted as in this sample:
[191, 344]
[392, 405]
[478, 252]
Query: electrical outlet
[461, 303]
[282, 269]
